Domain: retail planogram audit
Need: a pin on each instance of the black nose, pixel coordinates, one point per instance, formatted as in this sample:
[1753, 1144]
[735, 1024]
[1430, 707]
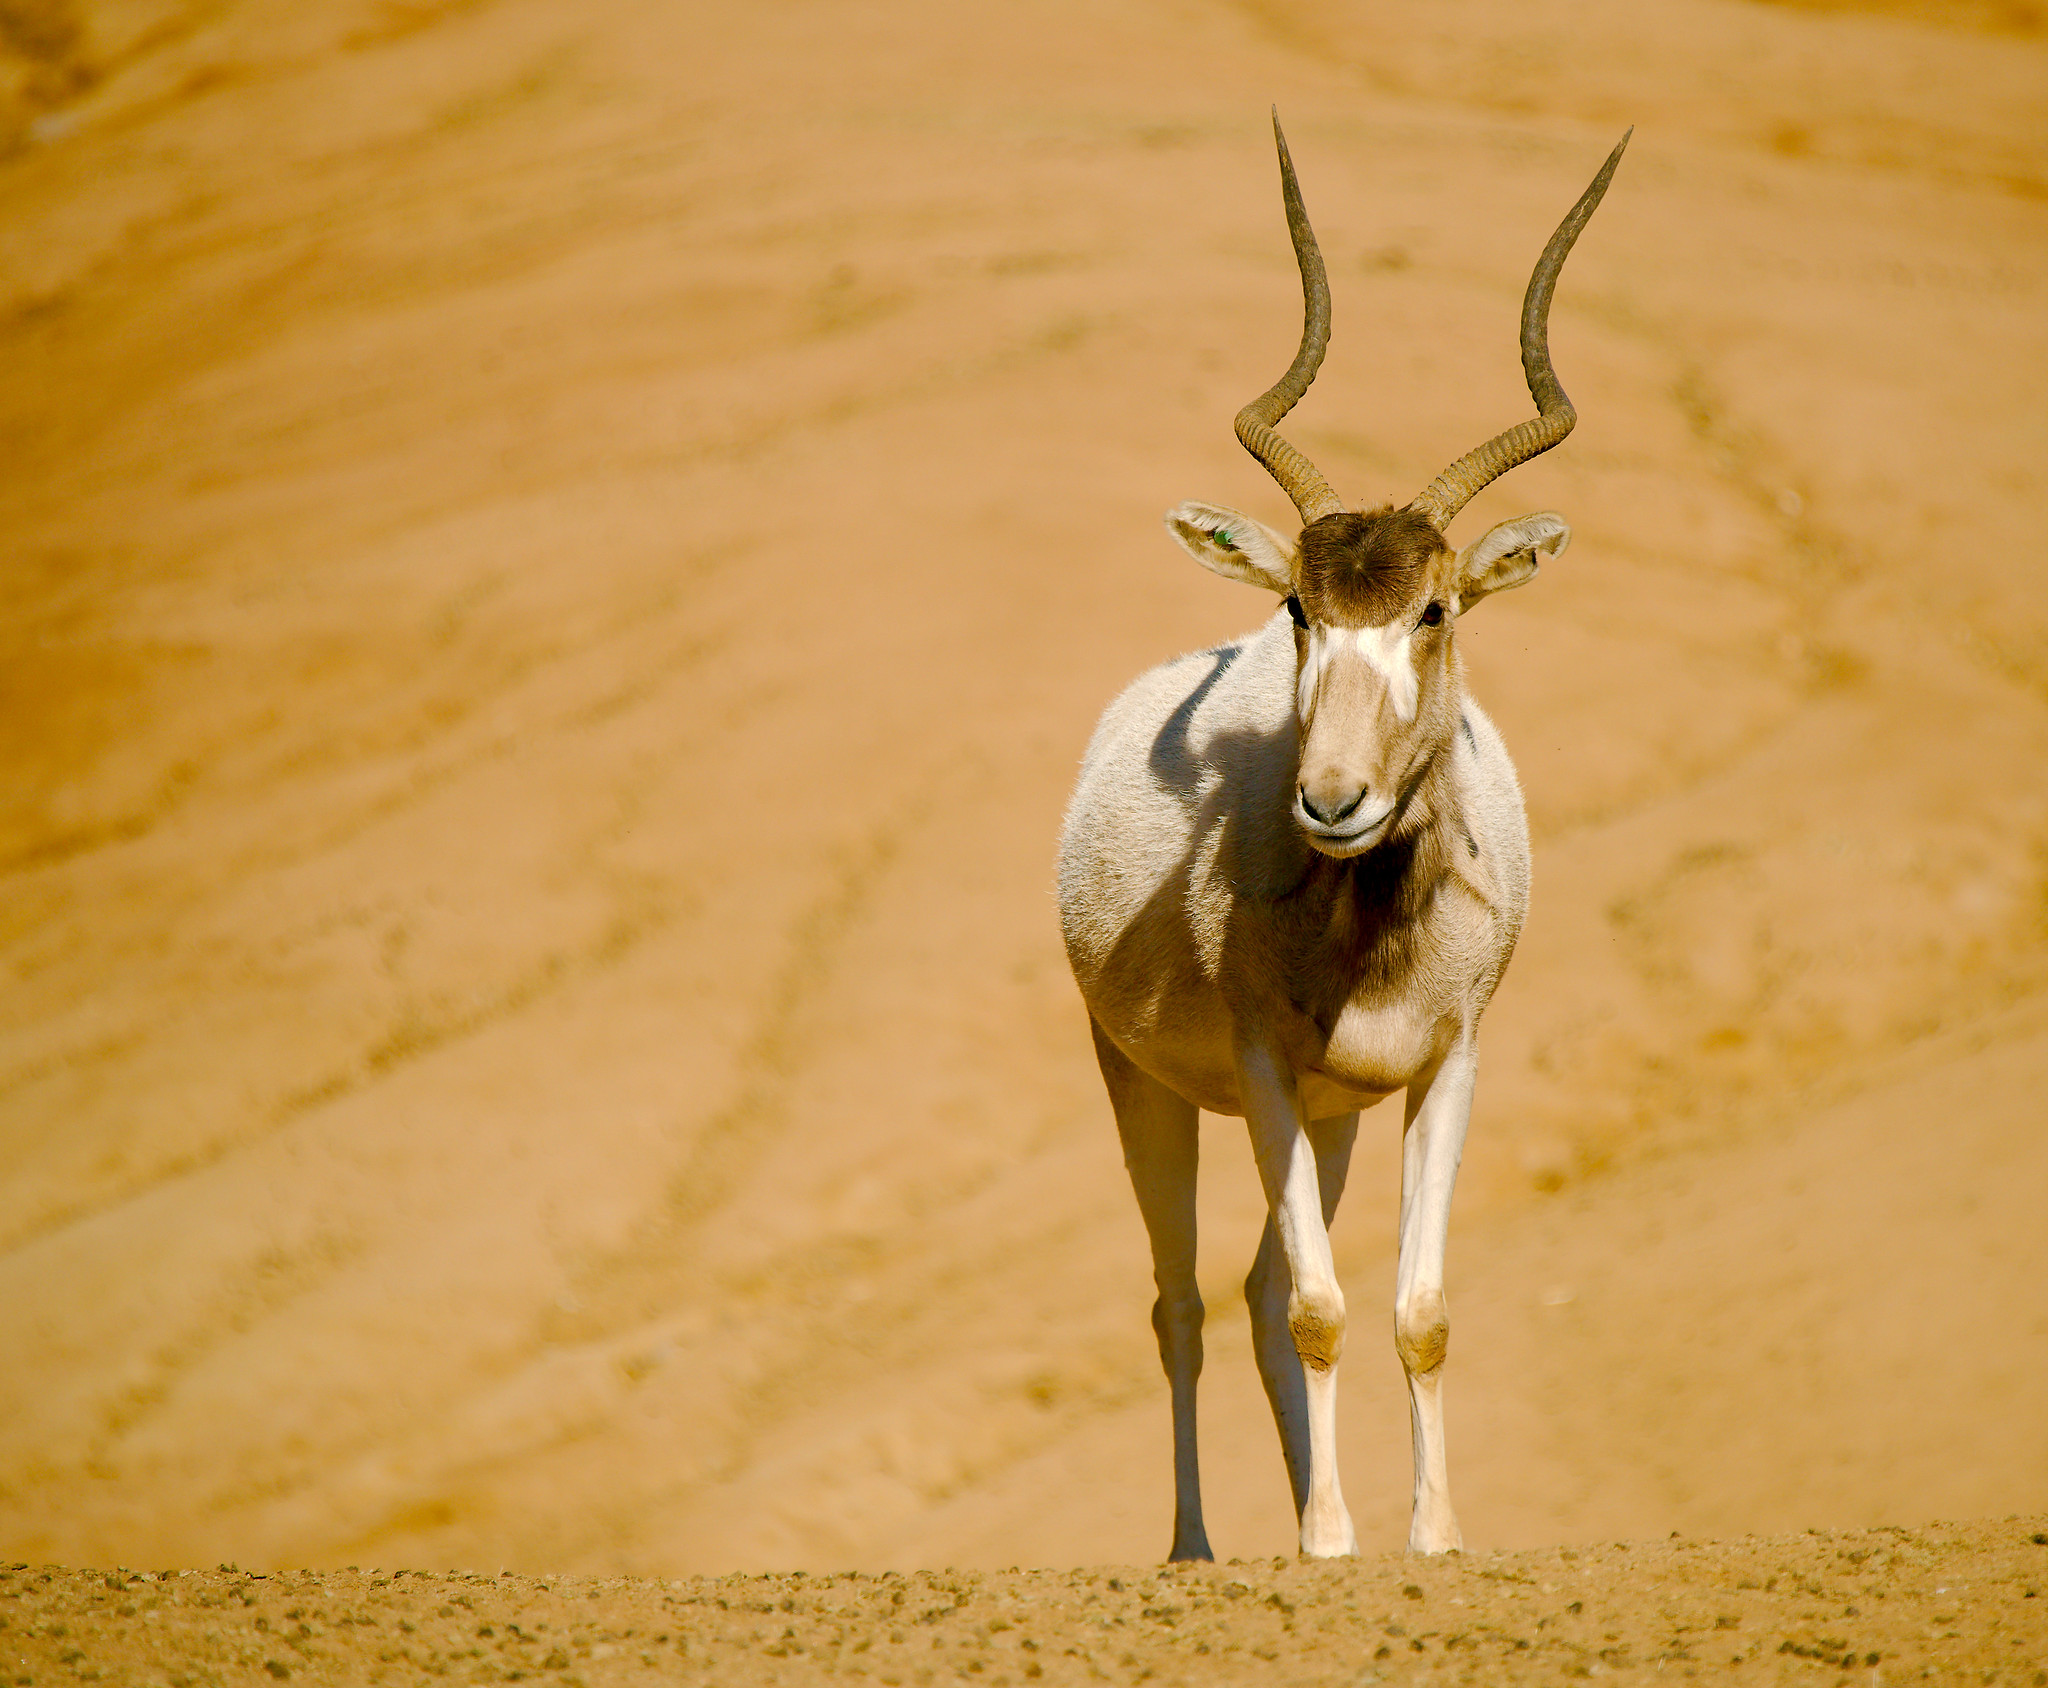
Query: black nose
[1308, 804]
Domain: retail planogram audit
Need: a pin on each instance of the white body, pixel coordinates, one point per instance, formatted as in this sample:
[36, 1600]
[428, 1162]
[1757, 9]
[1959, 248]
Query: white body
[1231, 964]
[1292, 874]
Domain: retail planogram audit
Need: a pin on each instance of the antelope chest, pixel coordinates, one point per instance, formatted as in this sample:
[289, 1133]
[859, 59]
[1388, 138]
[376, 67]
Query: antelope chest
[1371, 1051]
[1384, 1034]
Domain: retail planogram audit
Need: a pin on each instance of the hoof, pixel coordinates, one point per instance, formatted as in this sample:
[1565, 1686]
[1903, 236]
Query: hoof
[1329, 1544]
[1433, 1525]
[1326, 1531]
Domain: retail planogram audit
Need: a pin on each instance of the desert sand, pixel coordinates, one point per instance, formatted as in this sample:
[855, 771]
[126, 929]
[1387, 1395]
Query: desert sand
[558, 565]
[1946, 1601]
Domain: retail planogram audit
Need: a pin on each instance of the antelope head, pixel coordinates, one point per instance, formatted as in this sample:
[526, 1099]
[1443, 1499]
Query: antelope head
[1375, 596]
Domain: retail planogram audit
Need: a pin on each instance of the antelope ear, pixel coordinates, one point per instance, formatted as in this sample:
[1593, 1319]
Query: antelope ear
[1234, 545]
[1507, 555]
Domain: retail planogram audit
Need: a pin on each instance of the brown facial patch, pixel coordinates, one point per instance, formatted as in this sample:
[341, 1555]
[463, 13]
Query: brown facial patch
[1361, 569]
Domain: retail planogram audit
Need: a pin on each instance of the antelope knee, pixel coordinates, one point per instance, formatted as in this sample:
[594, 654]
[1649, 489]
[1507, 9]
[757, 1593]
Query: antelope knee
[1316, 1322]
[1177, 1322]
[1258, 1282]
[1422, 1332]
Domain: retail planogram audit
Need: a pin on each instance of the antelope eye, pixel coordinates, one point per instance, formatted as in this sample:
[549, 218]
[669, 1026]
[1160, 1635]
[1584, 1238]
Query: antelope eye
[1433, 616]
[1294, 609]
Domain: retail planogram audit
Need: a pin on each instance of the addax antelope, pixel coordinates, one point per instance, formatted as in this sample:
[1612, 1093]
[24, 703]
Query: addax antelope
[1291, 876]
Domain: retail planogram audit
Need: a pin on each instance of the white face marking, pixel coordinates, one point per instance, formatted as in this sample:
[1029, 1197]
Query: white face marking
[1311, 671]
[1388, 651]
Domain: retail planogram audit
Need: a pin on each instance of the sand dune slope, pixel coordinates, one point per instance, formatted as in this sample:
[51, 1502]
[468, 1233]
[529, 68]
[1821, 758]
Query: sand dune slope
[559, 562]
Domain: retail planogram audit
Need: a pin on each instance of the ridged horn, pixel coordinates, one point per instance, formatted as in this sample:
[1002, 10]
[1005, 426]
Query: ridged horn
[1298, 477]
[1451, 491]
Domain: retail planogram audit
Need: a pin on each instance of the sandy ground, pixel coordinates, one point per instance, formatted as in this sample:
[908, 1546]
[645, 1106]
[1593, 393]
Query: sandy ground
[559, 561]
[1952, 1602]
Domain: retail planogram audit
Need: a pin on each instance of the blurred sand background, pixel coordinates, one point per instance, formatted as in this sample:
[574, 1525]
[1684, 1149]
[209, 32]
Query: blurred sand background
[558, 562]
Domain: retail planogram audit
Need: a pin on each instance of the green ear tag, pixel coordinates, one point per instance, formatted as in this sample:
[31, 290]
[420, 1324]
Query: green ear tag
[1222, 537]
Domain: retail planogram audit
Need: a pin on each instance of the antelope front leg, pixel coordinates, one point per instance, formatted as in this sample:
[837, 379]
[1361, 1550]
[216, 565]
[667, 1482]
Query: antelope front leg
[1315, 1305]
[1266, 1292]
[1433, 1142]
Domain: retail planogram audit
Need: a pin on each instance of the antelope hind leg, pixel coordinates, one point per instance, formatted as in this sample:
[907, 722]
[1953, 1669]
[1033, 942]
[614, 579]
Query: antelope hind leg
[1159, 1132]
